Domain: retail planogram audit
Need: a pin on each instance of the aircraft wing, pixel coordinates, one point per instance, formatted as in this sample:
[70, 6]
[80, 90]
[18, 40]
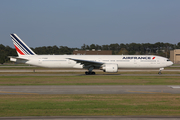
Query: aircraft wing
[87, 63]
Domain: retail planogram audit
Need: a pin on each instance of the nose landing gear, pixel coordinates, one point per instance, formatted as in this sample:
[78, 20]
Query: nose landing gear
[160, 69]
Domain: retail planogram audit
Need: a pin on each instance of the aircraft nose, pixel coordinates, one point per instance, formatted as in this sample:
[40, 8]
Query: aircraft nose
[170, 63]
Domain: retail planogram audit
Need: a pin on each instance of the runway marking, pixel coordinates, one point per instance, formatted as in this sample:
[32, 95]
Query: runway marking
[147, 92]
[174, 87]
[18, 93]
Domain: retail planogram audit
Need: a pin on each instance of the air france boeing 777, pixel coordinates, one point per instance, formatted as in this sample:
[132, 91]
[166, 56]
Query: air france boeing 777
[107, 63]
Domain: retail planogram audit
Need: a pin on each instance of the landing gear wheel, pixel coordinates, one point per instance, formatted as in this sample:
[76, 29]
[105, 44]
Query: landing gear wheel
[90, 73]
[159, 73]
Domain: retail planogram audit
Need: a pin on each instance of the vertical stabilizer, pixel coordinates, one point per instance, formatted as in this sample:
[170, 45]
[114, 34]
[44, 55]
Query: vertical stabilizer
[21, 47]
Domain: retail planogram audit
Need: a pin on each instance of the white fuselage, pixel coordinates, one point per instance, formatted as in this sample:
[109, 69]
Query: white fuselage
[123, 61]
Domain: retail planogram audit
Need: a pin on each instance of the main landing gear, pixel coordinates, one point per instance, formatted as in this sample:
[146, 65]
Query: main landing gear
[90, 72]
[160, 69]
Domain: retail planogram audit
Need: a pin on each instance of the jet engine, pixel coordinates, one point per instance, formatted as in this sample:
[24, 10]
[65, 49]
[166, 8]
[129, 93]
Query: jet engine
[110, 67]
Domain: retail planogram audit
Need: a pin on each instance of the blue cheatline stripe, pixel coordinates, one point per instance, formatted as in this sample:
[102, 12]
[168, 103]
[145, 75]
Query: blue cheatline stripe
[22, 44]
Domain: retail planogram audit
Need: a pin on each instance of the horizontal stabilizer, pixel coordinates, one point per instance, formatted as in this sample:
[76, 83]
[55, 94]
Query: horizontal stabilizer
[14, 57]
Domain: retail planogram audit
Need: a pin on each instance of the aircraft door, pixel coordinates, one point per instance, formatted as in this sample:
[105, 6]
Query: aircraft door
[158, 62]
[163, 61]
[99, 60]
[69, 61]
[135, 63]
[40, 61]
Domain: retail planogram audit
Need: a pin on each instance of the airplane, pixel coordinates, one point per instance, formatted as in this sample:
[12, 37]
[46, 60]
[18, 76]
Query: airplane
[107, 63]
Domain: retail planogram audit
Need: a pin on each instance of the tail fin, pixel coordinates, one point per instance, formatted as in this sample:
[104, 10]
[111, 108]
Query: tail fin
[21, 47]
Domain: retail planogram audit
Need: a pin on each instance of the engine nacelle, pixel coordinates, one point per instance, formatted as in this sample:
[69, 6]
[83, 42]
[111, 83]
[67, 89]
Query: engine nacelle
[110, 68]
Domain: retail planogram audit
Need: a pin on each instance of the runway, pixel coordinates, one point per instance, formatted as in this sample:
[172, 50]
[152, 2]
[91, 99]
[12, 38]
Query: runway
[60, 74]
[91, 89]
[80, 72]
[77, 72]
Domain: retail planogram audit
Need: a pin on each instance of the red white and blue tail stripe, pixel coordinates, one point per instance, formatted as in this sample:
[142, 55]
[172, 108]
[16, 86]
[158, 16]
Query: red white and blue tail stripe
[21, 47]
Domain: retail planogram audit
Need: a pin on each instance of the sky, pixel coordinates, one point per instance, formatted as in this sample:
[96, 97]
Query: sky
[73, 23]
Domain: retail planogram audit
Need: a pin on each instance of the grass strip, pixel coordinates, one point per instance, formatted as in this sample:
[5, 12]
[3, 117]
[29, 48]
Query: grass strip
[70, 105]
[89, 80]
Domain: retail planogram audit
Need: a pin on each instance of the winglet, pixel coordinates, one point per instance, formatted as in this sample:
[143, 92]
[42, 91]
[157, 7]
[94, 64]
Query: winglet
[21, 47]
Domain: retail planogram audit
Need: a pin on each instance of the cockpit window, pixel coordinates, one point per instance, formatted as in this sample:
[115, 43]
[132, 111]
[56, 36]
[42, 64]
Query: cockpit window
[168, 60]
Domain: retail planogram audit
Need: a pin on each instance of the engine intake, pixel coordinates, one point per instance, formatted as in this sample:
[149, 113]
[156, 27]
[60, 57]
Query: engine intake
[110, 68]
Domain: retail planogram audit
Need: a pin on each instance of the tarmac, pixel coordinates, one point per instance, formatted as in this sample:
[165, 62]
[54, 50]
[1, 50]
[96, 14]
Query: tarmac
[81, 70]
[73, 72]
[91, 89]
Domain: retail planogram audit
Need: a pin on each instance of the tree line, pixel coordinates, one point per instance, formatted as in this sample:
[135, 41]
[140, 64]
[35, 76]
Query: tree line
[159, 48]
